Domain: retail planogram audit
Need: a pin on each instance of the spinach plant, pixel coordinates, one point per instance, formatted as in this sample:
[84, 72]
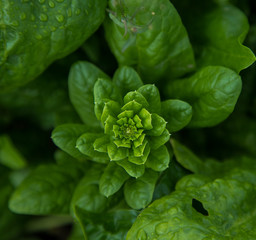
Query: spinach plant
[103, 107]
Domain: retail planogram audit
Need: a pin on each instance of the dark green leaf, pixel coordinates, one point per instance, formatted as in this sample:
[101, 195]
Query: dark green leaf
[34, 34]
[82, 77]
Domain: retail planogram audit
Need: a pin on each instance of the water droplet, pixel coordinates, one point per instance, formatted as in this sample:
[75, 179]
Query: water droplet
[60, 1]
[78, 11]
[60, 18]
[43, 17]
[69, 12]
[53, 29]
[162, 228]
[41, 1]
[23, 16]
[141, 235]
[51, 4]
[32, 17]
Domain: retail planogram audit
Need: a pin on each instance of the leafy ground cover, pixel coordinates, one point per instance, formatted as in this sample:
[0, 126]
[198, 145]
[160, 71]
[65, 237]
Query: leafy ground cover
[127, 119]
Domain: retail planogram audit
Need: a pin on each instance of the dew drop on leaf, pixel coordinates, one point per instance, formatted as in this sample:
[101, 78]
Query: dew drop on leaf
[41, 1]
[43, 17]
[141, 235]
[162, 228]
[60, 18]
[51, 4]
[23, 16]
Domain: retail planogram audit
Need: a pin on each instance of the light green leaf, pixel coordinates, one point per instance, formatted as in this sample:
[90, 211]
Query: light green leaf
[133, 105]
[101, 144]
[9, 155]
[158, 159]
[132, 169]
[85, 145]
[127, 79]
[177, 113]
[151, 93]
[112, 179]
[138, 97]
[117, 153]
[111, 108]
[82, 77]
[203, 209]
[140, 154]
[156, 142]
[146, 119]
[138, 192]
[212, 92]
[65, 137]
[158, 124]
[153, 39]
[38, 193]
[33, 35]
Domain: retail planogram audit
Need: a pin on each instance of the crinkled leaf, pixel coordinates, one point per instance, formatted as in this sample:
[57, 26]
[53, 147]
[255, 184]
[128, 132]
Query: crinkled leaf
[158, 46]
[47, 190]
[138, 192]
[127, 79]
[158, 124]
[212, 92]
[203, 209]
[158, 159]
[85, 145]
[65, 137]
[158, 141]
[9, 155]
[33, 35]
[112, 179]
[151, 93]
[132, 169]
[117, 153]
[177, 113]
[82, 77]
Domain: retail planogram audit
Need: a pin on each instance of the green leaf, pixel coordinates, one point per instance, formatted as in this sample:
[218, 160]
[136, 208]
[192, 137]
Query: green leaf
[85, 144]
[82, 77]
[156, 142]
[158, 159]
[65, 137]
[34, 35]
[127, 79]
[112, 179]
[117, 153]
[132, 169]
[87, 195]
[138, 192]
[111, 108]
[153, 39]
[177, 113]
[217, 31]
[138, 97]
[146, 119]
[151, 93]
[158, 124]
[186, 158]
[203, 209]
[9, 155]
[47, 190]
[104, 90]
[101, 144]
[212, 92]
[140, 154]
